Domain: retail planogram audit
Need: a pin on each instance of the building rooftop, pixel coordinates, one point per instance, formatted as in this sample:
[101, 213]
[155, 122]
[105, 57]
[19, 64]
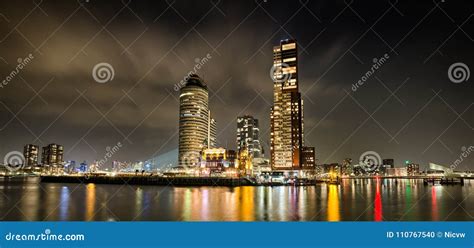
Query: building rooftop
[195, 80]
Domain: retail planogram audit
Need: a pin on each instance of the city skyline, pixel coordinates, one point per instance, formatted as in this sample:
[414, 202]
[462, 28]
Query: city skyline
[340, 120]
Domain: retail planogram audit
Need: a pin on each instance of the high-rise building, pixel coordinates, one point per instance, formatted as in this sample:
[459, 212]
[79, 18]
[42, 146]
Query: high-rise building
[30, 152]
[248, 135]
[197, 128]
[52, 155]
[287, 111]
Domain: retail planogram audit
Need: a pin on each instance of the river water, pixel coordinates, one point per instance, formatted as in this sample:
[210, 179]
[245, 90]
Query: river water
[353, 200]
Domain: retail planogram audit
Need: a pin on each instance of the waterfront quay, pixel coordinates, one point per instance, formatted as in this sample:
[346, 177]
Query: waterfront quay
[158, 180]
[148, 180]
[170, 181]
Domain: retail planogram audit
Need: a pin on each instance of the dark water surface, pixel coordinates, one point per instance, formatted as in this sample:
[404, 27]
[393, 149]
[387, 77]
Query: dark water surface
[354, 199]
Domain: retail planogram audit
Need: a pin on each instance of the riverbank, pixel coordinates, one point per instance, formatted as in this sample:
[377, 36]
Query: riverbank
[168, 181]
[192, 181]
[149, 180]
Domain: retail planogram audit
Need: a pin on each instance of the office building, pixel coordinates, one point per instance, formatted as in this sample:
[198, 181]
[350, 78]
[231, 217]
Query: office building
[31, 154]
[286, 118]
[307, 157]
[197, 128]
[248, 134]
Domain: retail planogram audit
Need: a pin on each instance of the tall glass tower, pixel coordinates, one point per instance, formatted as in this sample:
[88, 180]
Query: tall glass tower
[248, 134]
[287, 111]
[197, 128]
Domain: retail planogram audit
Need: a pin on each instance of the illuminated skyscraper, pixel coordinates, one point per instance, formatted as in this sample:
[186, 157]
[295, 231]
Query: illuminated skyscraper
[31, 154]
[52, 155]
[287, 111]
[197, 128]
[248, 135]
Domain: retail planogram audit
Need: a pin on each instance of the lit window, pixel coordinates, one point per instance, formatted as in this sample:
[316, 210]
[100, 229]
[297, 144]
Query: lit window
[288, 46]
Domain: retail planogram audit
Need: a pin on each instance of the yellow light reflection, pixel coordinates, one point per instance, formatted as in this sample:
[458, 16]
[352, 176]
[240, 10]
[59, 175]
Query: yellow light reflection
[187, 205]
[90, 201]
[333, 203]
[247, 204]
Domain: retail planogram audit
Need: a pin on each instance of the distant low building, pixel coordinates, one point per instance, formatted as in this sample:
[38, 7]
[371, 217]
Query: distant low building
[388, 163]
[396, 172]
[437, 167]
[245, 162]
[217, 159]
[413, 169]
[347, 168]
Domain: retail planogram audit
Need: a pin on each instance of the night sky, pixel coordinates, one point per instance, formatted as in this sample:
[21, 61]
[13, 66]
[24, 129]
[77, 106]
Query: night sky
[408, 110]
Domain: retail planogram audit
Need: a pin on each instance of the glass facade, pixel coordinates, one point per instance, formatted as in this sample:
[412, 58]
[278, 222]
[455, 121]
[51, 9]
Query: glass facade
[248, 136]
[286, 118]
[197, 128]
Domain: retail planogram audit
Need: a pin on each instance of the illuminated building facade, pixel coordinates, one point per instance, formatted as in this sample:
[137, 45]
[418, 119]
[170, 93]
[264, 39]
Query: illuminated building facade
[217, 158]
[248, 134]
[413, 169]
[245, 161]
[197, 128]
[287, 111]
[52, 155]
[399, 172]
[347, 168]
[30, 152]
[307, 157]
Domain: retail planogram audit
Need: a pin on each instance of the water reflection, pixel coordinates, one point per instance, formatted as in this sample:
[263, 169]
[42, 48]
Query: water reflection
[377, 202]
[245, 197]
[360, 199]
[90, 202]
[434, 204]
[333, 203]
[64, 204]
